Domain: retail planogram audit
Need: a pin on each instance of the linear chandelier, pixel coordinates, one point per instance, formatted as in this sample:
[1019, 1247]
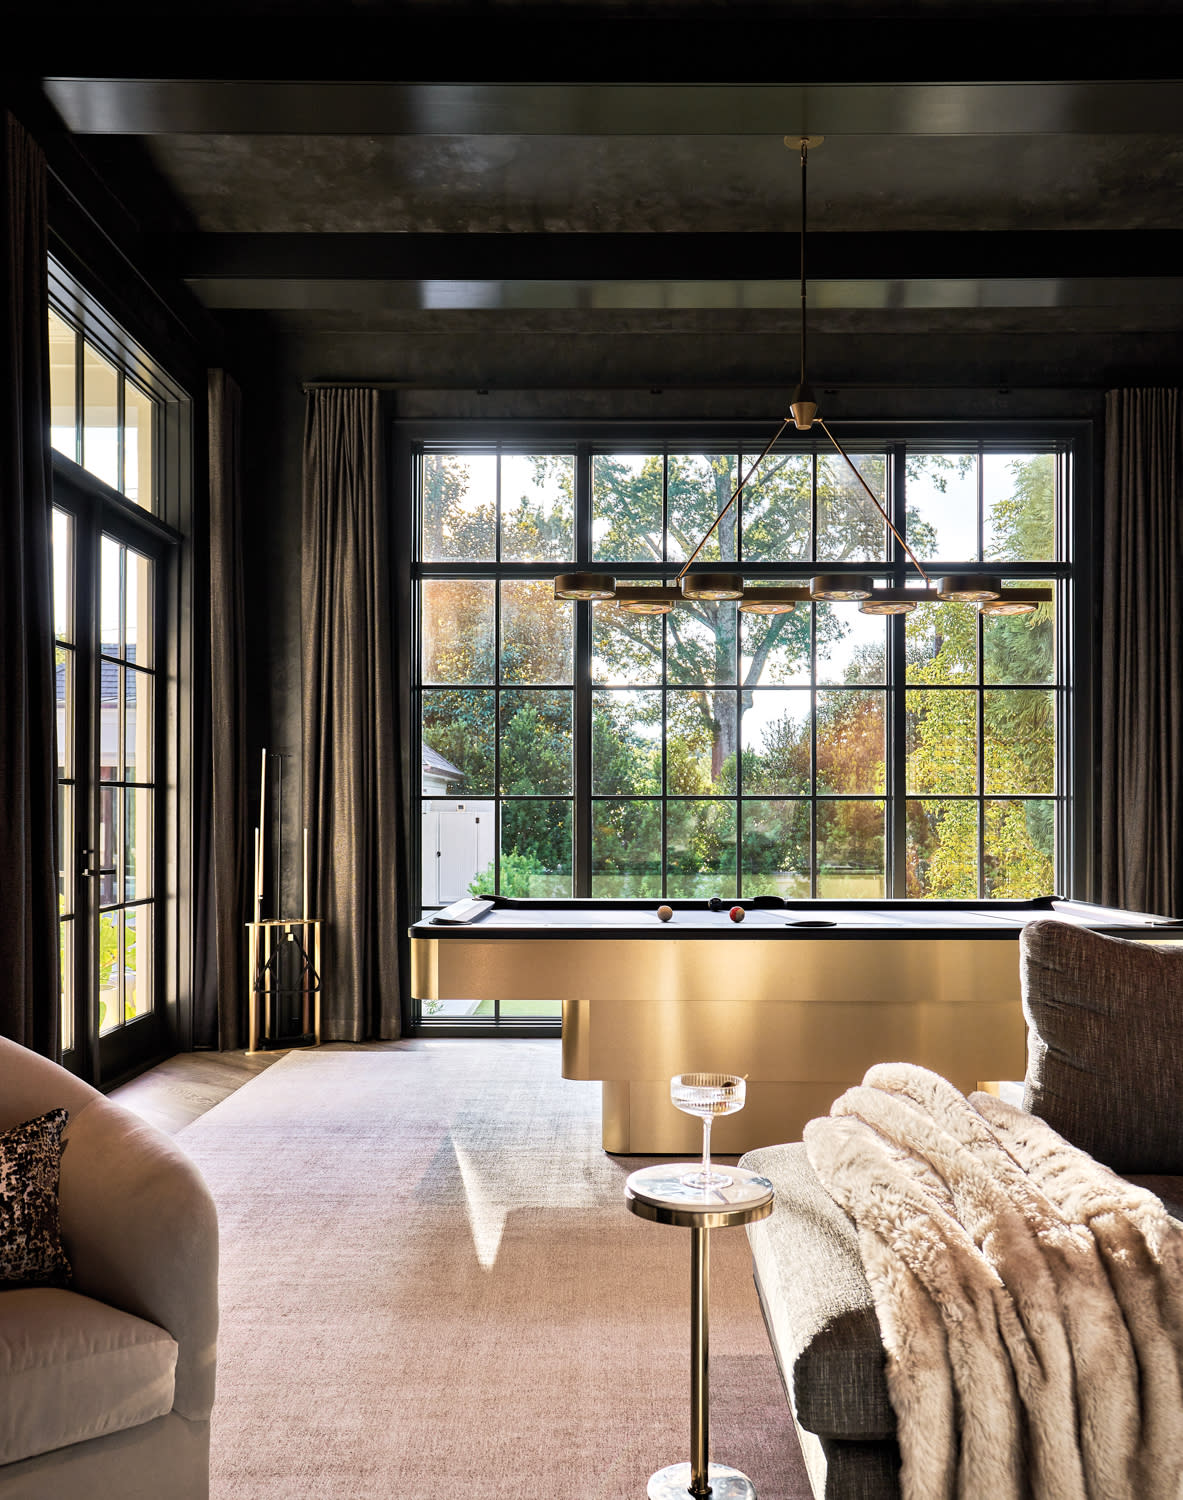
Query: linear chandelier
[981, 589]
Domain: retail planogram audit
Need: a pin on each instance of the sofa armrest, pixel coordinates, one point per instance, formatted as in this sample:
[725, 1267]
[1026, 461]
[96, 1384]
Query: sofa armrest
[141, 1231]
[31, 1085]
[818, 1305]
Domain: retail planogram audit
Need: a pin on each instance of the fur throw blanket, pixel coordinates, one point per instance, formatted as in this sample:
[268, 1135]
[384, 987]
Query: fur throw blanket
[1030, 1300]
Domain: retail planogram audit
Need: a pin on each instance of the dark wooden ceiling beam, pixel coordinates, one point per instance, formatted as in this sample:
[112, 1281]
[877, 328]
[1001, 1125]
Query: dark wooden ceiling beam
[685, 256]
[94, 105]
[565, 44]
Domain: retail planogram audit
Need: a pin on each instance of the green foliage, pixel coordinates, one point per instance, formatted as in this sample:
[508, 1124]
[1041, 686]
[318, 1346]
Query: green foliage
[626, 848]
[934, 469]
[1024, 522]
[109, 966]
[518, 871]
[456, 525]
[535, 743]
[537, 517]
[459, 725]
[1018, 726]
[625, 762]
[775, 840]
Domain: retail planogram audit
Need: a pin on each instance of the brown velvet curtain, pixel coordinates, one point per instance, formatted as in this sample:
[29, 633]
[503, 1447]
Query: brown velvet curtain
[226, 835]
[351, 739]
[29, 994]
[1141, 782]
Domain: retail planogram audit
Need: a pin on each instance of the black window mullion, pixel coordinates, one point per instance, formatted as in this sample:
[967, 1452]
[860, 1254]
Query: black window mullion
[120, 434]
[1069, 724]
[662, 789]
[897, 698]
[813, 845]
[583, 504]
[86, 761]
[981, 501]
[738, 757]
[581, 811]
[496, 739]
[497, 509]
[79, 397]
[739, 507]
[981, 787]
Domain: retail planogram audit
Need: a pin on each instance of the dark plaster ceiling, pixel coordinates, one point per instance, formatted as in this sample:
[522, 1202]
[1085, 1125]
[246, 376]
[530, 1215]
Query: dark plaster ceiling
[1012, 166]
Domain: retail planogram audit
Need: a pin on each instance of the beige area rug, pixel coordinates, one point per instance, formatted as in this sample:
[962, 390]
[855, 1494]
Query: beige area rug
[431, 1287]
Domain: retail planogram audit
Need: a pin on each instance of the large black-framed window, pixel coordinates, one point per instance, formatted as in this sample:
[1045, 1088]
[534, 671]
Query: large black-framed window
[824, 754]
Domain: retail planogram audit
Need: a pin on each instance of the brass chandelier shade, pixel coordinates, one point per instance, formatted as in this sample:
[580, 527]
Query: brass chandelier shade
[984, 591]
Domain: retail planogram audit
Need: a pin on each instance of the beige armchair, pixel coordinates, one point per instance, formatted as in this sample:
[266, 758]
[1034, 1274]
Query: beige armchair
[106, 1387]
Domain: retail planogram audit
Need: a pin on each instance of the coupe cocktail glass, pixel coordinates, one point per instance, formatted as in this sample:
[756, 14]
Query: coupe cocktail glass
[707, 1095]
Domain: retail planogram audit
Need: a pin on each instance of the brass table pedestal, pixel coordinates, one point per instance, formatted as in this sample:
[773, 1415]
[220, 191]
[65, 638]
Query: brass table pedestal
[658, 1194]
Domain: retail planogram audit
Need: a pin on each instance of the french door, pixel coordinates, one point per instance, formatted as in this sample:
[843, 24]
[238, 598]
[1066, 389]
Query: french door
[109, 571]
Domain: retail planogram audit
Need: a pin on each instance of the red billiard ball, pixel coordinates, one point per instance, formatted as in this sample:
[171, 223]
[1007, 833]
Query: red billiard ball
[736, 913]
[664, 913]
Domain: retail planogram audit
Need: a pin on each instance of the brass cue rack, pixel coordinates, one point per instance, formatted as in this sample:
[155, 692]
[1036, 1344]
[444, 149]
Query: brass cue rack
[283, 953]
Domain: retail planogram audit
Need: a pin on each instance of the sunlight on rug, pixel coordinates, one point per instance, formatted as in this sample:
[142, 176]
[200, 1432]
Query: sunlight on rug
[431, 1287]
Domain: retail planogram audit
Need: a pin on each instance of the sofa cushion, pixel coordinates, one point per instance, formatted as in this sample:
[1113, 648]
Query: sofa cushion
[72, 1368]
[1105, 1043]
[817, 1303]
[30, 1233]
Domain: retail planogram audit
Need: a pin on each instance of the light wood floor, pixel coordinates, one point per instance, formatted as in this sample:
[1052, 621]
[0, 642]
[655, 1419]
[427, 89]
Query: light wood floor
[176, 1092]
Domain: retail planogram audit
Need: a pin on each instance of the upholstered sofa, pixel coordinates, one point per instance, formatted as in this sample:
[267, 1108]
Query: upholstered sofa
[106, 1384]
[1105, 1069]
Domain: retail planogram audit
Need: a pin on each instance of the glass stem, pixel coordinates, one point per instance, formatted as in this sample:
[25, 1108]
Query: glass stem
[706, 1149]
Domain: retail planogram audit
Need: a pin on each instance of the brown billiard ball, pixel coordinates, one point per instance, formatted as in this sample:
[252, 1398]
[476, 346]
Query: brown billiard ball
[736, 913]
[664, 913]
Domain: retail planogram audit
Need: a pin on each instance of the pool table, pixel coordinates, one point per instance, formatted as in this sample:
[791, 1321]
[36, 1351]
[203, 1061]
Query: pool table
[799, 996]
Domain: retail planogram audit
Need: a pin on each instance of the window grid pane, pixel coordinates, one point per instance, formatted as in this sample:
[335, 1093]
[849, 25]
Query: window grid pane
[99, 418]
[63, 387]
[100, 422]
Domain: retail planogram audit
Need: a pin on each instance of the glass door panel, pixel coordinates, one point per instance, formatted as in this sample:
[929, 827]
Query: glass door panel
[126, 766]
[106, 595]
[65, 653]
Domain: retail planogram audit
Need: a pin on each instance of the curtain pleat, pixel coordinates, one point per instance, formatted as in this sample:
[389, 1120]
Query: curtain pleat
[223, 1022]
[1141, 710]
[351, 740]
[29, 993]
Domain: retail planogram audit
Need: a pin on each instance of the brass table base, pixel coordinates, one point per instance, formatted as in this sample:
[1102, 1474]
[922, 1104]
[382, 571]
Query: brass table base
[673, 1483]
[661, 1195]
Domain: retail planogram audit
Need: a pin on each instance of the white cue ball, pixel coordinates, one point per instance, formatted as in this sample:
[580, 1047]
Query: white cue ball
[664, 913]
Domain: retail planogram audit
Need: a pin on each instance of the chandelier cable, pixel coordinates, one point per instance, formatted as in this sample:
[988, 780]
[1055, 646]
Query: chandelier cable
[804, 170]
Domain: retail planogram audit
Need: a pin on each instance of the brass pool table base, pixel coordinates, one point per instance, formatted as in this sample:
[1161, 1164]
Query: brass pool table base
[801, 1015]
[802, 1021]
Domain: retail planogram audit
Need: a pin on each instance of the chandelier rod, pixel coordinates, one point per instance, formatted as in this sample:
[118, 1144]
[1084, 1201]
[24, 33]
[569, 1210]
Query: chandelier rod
[874, 499]
[735, 494]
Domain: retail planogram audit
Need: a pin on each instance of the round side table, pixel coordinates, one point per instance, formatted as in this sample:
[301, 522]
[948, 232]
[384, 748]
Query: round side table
[658, 1194]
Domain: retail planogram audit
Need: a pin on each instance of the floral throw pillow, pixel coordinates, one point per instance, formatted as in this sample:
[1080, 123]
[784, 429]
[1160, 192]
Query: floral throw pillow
[31, 1252]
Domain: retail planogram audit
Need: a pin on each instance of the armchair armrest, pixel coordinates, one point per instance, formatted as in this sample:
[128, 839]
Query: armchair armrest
[141, 1231]
[819, 1308]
